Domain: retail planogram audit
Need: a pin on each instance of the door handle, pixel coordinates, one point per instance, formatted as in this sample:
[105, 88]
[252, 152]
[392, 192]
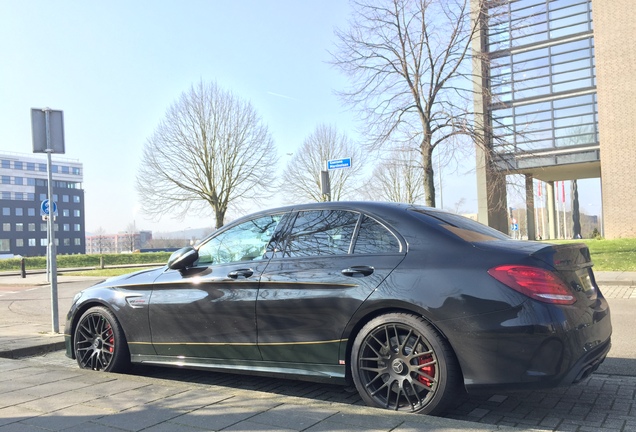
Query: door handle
[240, 273]
[358, 271]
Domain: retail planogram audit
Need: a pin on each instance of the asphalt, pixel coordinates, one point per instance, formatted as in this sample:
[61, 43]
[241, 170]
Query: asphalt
[37, 396]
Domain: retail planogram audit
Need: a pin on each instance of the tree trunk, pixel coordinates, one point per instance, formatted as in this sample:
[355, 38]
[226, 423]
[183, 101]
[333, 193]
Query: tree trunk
[219, 216]
[429, 174]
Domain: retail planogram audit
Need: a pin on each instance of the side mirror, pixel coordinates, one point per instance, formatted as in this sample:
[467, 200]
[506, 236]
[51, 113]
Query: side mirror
[183, 258]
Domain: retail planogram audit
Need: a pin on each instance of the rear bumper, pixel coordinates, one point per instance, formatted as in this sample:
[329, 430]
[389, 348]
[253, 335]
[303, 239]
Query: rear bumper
[530, 346]
[587, 364]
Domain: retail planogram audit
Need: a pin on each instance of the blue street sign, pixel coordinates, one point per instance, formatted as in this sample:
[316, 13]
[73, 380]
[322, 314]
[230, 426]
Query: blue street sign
[45, 208]
[339, 163]
[514, 227]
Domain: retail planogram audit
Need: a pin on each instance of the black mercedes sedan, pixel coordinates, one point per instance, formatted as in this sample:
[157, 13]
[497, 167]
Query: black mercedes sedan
[408, 303]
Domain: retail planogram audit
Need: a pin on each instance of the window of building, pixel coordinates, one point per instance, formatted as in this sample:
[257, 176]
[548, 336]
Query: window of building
[19, 226]
[18, 180]
[30, 166]
[30, 196]
[66, 212]
[4, 245]
[6, 211]
[19, 211]
[78, 241]
[31, 211]
[6, 163]
[65, 169]
[19, 243]
[76, 198]
[55, 198]
[76, 227]
[42, 197]
[43, 242]
[6, 226]
[76, 171]
[32, 242]
[40, 182]
[77, 213]
[5, 179]
[43, 226]
[42, 167]
[56, 227]
[67, 242]
[6, 195]
[66, 227]
[31, 227]
[17, 165]
[30, 181]
[19, 196]
[54, 168]
[65, 198]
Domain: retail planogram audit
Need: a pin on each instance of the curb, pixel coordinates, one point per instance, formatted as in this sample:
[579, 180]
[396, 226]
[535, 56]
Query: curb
[602, 283]
[33, 350]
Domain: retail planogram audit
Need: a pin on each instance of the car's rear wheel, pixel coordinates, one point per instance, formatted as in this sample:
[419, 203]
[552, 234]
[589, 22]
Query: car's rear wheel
[400, 362]
[99, 342]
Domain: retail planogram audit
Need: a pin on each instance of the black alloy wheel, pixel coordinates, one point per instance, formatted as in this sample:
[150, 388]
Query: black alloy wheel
[99, 342]
[400, 362]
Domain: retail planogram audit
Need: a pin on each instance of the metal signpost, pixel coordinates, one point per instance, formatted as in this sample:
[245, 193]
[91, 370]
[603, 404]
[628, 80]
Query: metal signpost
[325, 183]
[47, 127]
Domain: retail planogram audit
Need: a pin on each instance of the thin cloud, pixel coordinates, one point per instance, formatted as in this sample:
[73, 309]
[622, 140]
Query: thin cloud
[281, 96]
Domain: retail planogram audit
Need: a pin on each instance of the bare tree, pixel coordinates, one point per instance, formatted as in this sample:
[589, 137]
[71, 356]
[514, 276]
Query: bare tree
[302, 174]
[99, 241]
[211, 150]
[398, 178]
[410, 74]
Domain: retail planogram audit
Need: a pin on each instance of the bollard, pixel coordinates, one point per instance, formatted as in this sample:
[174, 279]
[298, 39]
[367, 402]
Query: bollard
[22, 268]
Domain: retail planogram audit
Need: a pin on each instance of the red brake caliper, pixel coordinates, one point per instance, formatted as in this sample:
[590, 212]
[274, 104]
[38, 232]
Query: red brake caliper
[111, 339]
[428, 370]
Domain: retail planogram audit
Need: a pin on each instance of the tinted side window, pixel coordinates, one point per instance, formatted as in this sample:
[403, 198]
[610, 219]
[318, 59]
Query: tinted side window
[321, 232]
[375, 238]
[245, 242]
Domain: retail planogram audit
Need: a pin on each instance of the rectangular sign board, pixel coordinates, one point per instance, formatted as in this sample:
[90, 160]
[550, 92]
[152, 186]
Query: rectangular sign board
[56, 131]
[339, 163]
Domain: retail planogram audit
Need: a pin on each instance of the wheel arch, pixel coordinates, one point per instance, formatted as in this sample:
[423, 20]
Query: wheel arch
[357, 324]
[78, 314]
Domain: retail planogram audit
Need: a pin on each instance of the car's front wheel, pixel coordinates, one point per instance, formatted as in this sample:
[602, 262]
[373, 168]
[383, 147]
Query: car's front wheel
[400, 362]
[99, 342]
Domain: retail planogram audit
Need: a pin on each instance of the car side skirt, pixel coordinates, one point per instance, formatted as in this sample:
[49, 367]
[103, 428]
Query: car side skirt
[310, 372]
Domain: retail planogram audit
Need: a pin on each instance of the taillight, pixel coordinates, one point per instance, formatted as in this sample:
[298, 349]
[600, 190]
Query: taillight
[536, 283]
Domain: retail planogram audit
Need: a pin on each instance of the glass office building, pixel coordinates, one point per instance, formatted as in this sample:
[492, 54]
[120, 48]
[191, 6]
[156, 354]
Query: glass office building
[538, 95]
[542, 75]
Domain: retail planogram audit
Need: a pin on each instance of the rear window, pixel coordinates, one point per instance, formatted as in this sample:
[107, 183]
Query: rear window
[464, 228]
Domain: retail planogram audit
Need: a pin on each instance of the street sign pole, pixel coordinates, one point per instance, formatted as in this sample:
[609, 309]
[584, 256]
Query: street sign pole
[51, 227]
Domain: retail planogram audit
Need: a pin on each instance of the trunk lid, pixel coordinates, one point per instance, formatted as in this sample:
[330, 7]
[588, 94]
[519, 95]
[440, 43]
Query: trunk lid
[573, 264]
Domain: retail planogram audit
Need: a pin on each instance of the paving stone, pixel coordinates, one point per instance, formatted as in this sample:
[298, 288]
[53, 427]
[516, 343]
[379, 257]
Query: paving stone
[138, 418]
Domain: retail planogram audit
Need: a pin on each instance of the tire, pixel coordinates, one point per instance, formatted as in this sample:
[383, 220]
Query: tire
[99, 342]
[400, 362]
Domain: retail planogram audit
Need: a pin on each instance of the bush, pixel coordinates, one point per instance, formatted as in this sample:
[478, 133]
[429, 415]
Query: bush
[81, 261]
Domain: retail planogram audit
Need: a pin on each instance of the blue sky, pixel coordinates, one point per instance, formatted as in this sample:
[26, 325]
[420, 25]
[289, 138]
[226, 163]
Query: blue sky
[114, 68]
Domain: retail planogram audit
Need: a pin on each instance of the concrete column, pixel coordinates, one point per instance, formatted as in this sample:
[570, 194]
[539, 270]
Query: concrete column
[491, 184]
[530, 222]
[551, 209]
